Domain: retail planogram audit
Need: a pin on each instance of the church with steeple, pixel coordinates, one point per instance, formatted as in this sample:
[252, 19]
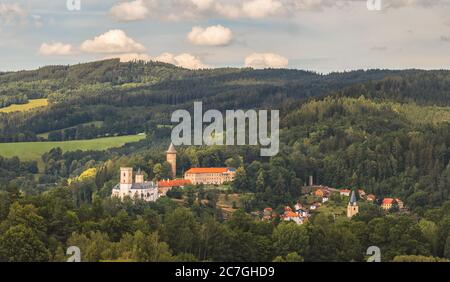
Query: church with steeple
[352, 207]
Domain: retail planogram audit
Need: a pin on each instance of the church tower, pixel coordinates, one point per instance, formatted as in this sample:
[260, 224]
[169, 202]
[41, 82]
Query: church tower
[172, 159]
[352, 207]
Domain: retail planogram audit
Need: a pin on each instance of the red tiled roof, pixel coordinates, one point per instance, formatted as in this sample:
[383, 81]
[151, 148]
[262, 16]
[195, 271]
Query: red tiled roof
[345, 191]
[199, 170]
[174, 183]
[388, 201]
[290, 214]
[268, 209]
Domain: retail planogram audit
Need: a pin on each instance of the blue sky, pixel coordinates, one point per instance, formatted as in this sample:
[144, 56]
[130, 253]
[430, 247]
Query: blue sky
[320, 35]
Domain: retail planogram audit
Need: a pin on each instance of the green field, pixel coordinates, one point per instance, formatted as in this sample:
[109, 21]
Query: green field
[32, 104]
[34, 150]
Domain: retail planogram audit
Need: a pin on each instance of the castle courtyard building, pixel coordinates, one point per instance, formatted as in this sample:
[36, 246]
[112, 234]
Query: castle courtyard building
[210, 175]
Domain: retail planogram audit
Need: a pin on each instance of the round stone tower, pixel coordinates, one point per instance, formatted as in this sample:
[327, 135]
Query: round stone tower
[172, 159]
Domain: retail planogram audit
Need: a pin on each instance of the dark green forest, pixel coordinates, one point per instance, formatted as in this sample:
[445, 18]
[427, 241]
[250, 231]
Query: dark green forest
[385, 131]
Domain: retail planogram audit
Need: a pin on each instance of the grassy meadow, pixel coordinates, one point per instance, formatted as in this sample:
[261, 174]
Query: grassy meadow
[34, 150]
[32, 104]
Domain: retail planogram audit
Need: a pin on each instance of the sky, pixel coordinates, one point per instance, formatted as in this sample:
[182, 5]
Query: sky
[317, 35]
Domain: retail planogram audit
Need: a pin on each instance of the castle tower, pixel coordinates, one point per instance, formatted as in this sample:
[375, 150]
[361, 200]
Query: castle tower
[172, 159]
[126, 175]
[139, 178]
[352, 207]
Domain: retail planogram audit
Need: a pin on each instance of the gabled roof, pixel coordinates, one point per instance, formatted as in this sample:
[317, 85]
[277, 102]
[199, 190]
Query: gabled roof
[171, 149]
[353, 198]
[198, 170]
[388, 201]
[290, 214]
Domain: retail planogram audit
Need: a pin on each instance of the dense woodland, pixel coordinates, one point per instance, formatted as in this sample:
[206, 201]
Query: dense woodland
[387, 132]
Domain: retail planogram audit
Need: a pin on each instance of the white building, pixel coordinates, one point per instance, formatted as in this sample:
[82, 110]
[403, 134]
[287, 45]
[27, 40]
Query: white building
[139, 189]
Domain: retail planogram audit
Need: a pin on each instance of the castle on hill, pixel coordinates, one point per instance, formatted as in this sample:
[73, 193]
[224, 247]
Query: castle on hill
[137, 189]
[150, 191]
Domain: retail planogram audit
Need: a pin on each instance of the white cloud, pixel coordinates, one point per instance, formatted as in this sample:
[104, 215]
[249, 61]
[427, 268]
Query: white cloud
[309, 5]
[212, 36]
[113, 41]
[12, 13]
[56, 48]
[234, 9]
[228, 10]
[130, 57]
[261, 8]
[130, 11]
[184, 60]
[266, 60]
[202, 4]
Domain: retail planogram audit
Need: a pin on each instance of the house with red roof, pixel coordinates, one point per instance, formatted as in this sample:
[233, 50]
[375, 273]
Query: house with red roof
[345, 192]
[210, 175]
[268, 214]
[290, 215]
[388, 203]
[166, 185]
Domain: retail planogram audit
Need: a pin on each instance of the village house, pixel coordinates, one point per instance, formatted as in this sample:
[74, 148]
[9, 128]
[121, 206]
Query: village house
[289, 215]
[400, 203]
[268, 214]
[362, 193]
[345, 192]
[387, 203]
[371, 198]
[301, 211]
[321, 192]
[325, 199]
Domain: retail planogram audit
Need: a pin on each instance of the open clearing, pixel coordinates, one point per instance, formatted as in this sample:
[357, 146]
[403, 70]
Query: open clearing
[32, 104]
[34, 150]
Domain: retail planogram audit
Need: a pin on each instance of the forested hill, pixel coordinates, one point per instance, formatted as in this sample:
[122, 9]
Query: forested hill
[386, 132]
[132, 97]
